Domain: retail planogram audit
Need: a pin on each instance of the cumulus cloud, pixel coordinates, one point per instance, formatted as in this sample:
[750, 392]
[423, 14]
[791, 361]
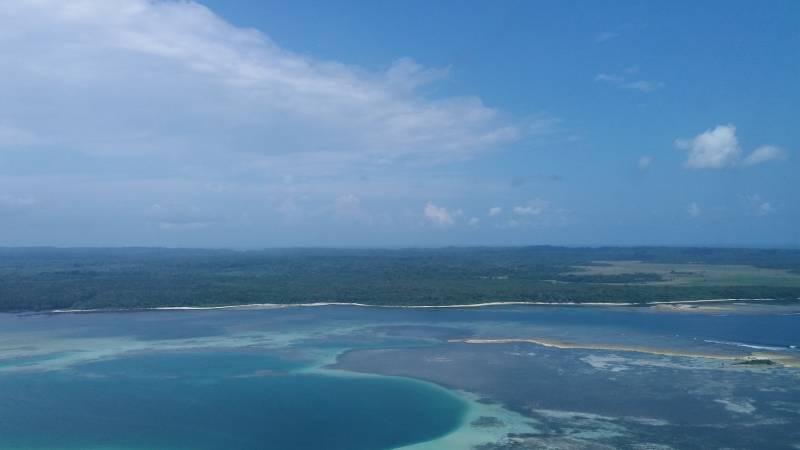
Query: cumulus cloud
[438, 215]
[473, 222]
[712, 149]
[757, 205]
[764, 154]
[718, 148]
[113, 76]
[534, 207]
[495, 211]
[645, 162]
[538, 213]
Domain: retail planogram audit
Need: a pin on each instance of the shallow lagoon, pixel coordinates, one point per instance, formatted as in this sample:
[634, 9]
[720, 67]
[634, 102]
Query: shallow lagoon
[217, 400]
[373, 378]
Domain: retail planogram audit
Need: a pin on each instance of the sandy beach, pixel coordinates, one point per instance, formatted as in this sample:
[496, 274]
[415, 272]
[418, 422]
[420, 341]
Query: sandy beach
[785, 360]
[677, 305]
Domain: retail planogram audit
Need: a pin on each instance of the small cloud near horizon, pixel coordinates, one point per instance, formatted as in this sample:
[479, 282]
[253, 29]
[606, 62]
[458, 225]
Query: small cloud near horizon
[438, 215]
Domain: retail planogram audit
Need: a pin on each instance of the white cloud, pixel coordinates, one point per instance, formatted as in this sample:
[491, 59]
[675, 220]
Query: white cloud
[473, 222]
[348, 207]
[764, 154]
[693, 209]
[609, 78]
[719, 148]
[439, 216]
[11, 205]
[642, 85]
[495, 211]
[757, 205]
[537, 213]
[165, 102]
[534, 207]
[713, 149]
[645, 162]
[623, 81]
[172, 77]
[605, 36]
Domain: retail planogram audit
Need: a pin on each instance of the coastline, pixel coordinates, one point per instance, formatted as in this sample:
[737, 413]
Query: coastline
[252, 306]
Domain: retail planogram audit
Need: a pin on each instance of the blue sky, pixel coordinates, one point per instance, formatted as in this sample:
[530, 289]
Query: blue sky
[260, 123]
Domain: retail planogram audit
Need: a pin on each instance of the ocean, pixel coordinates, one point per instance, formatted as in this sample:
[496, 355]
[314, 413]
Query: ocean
[358, 378]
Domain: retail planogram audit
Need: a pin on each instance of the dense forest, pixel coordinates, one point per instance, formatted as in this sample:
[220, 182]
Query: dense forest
[51, 278]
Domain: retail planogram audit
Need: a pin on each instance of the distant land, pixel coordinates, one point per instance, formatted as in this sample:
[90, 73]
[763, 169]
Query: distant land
[40, 279]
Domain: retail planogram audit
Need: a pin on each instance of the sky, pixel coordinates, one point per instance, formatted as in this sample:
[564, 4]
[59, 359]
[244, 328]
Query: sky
[258, 123]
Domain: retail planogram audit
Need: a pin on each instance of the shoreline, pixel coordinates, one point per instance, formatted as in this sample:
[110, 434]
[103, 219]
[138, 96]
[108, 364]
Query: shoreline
[256, 306]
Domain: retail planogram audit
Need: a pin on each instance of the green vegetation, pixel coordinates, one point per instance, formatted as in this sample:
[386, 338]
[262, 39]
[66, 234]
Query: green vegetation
[686, 274]
[613, 278]
[47, 278]
[755, 362]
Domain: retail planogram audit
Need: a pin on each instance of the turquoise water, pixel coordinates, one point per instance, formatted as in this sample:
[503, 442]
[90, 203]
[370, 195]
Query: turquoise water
[216, 400]
[24, 361]
[349, 378]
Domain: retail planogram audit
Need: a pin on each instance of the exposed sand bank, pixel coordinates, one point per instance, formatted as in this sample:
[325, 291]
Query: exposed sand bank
[785, 360]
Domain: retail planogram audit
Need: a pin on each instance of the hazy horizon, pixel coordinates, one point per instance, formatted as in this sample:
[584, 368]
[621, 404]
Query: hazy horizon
[398, 247]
